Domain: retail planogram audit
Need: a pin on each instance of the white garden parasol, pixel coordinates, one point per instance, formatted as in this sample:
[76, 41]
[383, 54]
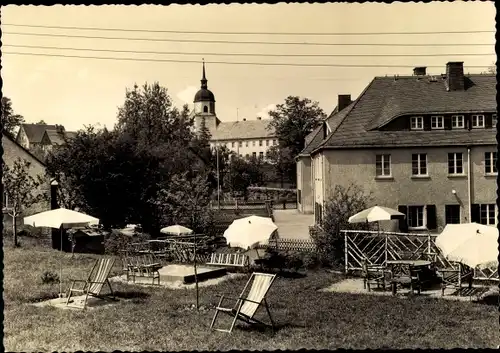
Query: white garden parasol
[60, 218]
[249, 232]
[176, 229]
[472, 244]
[375, 214]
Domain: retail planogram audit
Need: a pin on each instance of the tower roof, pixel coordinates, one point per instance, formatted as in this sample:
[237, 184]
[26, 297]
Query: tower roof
[204, 94]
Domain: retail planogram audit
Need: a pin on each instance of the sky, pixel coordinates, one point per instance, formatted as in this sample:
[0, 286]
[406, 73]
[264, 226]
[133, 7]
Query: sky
[75, 92]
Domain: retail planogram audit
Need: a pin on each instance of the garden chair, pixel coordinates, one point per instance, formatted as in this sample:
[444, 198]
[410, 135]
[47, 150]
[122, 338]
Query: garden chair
[373, 274]
[92, 286]
[454, 277]
[247, 304]
[413, 280]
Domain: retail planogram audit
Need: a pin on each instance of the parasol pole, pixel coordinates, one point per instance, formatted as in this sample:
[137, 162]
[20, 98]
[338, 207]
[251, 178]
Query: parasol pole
[196, 276]
[60, 263]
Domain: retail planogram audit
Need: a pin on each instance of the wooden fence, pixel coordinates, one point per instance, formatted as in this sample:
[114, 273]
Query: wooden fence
[286, 244]
[378, 247]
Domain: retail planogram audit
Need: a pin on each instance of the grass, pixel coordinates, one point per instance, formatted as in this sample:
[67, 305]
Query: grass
[149, 318]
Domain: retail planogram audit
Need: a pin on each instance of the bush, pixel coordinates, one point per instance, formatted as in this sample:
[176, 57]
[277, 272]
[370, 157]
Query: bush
[116, 242]
[49, 277]
[282, 260]
[343, 203]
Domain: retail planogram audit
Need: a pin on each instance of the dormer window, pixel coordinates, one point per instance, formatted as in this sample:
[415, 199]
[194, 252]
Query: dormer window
[457, 121]
[477, 121]
[437, 122]
[417, 123]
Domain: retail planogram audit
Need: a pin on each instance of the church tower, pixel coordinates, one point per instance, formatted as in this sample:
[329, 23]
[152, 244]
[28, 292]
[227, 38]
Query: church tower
[204, 105]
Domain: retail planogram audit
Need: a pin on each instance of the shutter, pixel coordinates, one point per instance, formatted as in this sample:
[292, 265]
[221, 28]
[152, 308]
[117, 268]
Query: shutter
[431, 217]
[427, 122]
[475, 213]
[447, 122]
[403, 222]
[488, 121]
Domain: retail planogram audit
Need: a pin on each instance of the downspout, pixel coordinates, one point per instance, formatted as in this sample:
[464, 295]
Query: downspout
[469, 185]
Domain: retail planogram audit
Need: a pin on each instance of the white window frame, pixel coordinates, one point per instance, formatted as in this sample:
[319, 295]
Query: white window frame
[420, 161]
[455, 164]
[260, 143]
[267, 142]
[261, 155]
[494, 120]
[477, 125]
[253, 143]
[437, 122]
[455, 119]
[254, 154]
[6, 204]
[385, 159]
[417, 123]
[424, 217]
[491, 157]
[246, 143]
[487, 209]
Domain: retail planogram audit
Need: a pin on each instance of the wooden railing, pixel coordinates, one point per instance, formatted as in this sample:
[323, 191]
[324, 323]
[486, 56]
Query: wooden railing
[378, 247]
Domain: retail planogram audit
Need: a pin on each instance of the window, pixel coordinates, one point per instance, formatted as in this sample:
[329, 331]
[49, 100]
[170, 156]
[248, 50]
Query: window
[419, 164]
[452, 214]
[457, 121]
[478, 121]
[487, 214]
[455, 163]
[275, 142]
[5, 200]
[490, 163]
[267, 142]
[253, 143]
[247, 156]
[383, 165]
[415, 216]
[246, 143]
[494, 120]
[205, 109]
[417, 123]
[232, 144]
[437, 122]
[240, 144]
[261, 155]
[254, 154]
[260, 142]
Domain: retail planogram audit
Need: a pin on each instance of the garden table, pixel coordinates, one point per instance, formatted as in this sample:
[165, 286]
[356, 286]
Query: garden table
[403, 266]
[402, 274]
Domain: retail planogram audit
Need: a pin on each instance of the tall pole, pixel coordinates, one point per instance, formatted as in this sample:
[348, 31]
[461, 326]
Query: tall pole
[218, 175]
[196, 276]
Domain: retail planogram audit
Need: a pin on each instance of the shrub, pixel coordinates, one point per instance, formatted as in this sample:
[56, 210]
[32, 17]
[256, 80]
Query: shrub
[49, 277]
[342, 203]
[116, 242]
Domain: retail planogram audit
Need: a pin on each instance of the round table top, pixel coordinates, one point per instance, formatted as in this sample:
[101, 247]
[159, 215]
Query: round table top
[409, 262]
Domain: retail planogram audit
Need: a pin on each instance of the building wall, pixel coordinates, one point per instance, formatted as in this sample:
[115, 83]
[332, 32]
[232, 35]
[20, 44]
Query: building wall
[22, 138]
[11, 152]
[305, 185]
[344, 167]
[245, 147]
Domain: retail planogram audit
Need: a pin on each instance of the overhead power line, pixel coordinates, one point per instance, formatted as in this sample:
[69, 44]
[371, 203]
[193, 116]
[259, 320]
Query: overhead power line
[239, 54]
[245, 33]
[223, 62]
[247, 42]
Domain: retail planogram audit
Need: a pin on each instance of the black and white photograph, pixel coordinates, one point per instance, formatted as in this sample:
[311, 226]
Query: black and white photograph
[247, 176]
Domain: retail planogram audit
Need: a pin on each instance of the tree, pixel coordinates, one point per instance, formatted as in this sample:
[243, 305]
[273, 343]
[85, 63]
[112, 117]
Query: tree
[292, 122]
[10, 120]
[492, 69]
[41, 122]
[242, 174]
[342, 203]
[21, 190]
[284, 163]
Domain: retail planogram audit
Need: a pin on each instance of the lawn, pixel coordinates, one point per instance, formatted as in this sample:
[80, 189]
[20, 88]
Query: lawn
[160, 319]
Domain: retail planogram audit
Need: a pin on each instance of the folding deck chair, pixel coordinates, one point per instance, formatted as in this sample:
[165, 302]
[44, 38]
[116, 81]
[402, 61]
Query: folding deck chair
[94, 283]
[247, 304]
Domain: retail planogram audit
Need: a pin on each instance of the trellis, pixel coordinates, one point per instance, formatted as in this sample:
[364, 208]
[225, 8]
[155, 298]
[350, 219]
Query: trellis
[288, 244]
[379, 247]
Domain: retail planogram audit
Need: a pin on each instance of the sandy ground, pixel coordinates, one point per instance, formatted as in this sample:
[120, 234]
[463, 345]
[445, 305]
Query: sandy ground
[76, 303]
[355, 286]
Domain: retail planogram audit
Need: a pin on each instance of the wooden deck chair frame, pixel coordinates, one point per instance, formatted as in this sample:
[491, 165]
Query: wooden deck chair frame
[246, 308]
[98, 276]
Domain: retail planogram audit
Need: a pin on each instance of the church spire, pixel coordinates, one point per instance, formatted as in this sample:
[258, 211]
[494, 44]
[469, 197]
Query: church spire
[203, 79]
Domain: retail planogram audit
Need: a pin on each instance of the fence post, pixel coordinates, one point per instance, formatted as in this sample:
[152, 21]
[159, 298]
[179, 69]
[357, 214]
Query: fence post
[346, 252]
[429, 245]
[385, 248]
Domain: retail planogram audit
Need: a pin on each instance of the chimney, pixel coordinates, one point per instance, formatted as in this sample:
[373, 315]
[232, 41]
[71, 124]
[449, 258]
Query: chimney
[420, 71]
[455, 76]
[344, 101]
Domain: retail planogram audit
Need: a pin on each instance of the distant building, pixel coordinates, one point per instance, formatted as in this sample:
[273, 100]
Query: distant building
[247, 138]
[41, 138]
[422, 144]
